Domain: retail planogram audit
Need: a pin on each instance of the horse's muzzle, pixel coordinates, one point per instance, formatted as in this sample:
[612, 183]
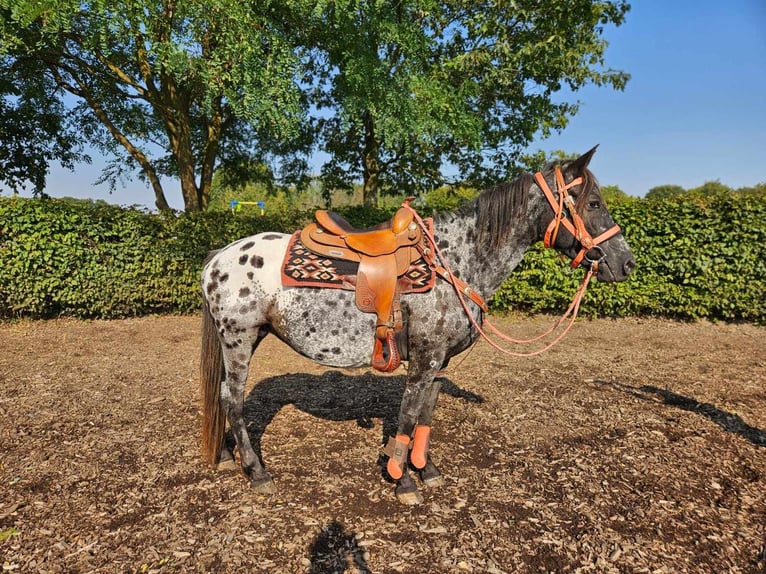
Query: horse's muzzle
[611, 271]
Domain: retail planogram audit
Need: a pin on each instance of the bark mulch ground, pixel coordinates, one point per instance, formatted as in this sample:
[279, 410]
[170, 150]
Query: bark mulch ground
[634, 446]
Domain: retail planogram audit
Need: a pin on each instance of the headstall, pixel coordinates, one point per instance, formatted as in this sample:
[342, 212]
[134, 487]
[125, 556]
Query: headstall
[574, 223]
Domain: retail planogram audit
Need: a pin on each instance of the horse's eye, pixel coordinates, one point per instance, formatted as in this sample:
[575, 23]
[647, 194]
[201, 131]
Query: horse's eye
[595, 204]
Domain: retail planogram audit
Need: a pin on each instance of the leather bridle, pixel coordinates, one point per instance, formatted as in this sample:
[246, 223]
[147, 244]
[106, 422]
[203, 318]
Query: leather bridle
[565, 213]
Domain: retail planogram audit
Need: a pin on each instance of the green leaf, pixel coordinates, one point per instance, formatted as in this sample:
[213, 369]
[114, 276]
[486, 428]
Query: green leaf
[8, 532]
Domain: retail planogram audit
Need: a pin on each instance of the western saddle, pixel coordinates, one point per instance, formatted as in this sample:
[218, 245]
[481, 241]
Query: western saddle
[384, 253]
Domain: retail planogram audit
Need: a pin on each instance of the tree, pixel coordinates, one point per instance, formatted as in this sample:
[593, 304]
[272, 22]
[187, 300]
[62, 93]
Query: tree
[708, 188]
[180, 86]
[33, 126]
[409, 87]
[613, 194]
[757, 190]
[665, 191]
[395, 90]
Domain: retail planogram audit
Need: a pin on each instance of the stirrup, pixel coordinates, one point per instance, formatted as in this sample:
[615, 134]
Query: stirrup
[379, 360]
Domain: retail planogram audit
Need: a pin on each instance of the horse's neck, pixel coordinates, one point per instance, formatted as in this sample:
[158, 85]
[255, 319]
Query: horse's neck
[482, 267]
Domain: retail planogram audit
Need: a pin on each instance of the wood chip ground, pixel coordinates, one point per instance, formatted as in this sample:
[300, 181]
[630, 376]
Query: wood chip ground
[635, 446]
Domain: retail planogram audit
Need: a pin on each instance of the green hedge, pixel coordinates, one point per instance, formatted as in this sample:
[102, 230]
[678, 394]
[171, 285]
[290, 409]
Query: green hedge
[695, 258]
[62, 258]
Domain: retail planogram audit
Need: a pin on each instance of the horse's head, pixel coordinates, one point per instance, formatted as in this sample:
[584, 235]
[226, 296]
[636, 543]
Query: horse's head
[579, 224]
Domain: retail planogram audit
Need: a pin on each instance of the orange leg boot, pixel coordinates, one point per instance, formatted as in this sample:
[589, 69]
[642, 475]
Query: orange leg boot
[421, 441]
[397, 450]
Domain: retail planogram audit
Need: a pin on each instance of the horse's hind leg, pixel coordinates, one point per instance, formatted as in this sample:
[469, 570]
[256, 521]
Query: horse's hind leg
[236, 357]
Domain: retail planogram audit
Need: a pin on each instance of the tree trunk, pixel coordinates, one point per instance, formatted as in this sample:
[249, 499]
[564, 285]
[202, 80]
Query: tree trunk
[213, 131]
[370, 163]
[159, 194]
[185, 158]
[178, 128]
[138, 155]
[180, 142]
[189, 189]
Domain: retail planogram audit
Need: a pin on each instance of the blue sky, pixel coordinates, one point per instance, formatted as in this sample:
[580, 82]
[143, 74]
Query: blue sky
[695, 107]
[693, 111]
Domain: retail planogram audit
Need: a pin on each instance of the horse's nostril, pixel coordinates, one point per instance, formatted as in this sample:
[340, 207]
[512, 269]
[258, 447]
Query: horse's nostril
[628, 267]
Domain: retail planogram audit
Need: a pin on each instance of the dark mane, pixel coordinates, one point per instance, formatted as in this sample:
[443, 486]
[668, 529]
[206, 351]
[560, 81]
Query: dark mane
[498, 209]
[588, 182]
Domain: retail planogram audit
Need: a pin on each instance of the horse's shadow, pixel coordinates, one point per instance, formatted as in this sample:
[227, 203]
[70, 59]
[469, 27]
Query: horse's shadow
[334, 548]
[333, 396]
[727, 421]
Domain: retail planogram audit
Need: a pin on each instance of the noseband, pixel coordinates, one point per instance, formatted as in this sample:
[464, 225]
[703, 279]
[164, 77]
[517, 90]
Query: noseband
[574, 223]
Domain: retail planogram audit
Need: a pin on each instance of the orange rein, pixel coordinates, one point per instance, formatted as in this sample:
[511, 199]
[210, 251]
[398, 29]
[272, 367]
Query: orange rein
[565, 203]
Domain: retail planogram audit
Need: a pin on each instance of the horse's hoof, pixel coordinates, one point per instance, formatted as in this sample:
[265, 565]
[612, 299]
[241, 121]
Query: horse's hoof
[412, 498]
[431, 477]
[264, 485]
[433, 481]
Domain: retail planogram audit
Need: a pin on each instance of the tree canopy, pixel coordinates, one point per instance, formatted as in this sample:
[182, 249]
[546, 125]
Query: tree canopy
[391, 93]
[170, 88]
[411, 89]
[709, 188]
[34, 127]
[665, 191]
[613, 194]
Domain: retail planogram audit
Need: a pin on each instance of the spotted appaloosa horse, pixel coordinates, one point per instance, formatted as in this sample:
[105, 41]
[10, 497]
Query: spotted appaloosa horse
[244, 301]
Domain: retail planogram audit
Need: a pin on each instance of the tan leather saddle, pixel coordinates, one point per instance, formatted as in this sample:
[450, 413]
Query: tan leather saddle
[385, 253]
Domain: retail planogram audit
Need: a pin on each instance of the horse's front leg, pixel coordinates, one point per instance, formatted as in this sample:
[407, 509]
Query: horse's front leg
[421, 457]
[420, 378]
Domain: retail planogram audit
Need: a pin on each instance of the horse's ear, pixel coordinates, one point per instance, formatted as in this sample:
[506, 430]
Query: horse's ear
[581, 163]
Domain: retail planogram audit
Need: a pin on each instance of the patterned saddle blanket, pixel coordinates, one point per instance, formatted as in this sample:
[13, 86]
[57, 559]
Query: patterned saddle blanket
[304, 268]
